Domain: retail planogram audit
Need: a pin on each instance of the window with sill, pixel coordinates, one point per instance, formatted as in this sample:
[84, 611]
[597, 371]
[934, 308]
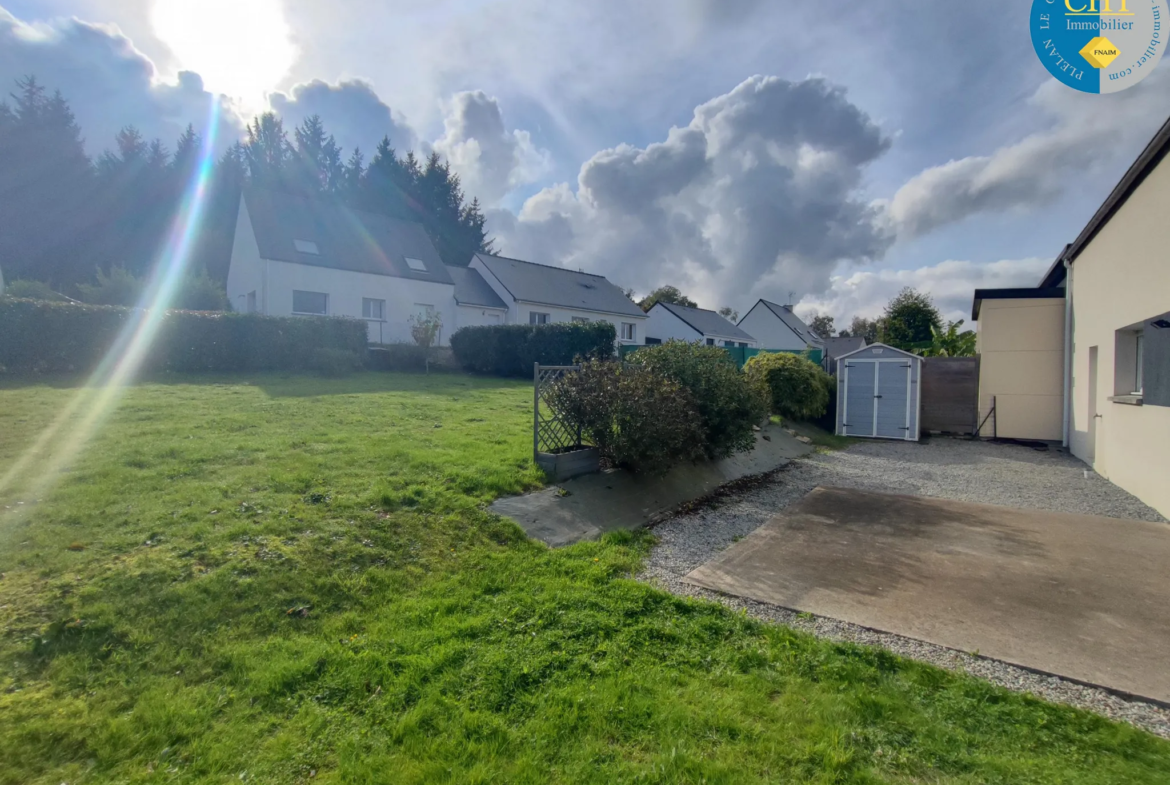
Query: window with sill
[629, 331]
[1141, 363]
[373, 309]
[310, 303]
[537, 318]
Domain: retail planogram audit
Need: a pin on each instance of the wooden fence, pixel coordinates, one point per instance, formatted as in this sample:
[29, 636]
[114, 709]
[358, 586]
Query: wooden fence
[950, 394]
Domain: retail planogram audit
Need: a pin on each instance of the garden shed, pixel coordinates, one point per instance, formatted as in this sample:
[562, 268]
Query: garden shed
[879, 394]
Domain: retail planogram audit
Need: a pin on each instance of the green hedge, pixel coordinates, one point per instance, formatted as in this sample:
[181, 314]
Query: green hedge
[797, 388]
[47, 337]
[512, 349]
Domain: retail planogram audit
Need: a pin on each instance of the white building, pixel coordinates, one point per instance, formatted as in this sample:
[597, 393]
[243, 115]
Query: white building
[668, 321]
[540, 294]
[777, 328]
[298, 256]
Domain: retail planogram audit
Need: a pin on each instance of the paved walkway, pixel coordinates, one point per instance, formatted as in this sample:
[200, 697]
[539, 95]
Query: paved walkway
[586, 507]
[1080, 596]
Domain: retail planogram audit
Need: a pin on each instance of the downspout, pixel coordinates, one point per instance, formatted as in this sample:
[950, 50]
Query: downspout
[1068, 295]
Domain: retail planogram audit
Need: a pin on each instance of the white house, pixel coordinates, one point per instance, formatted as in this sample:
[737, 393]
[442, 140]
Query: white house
[541, 294]
[298, 256]
[476, 303]
[777, 327]
[668, 321]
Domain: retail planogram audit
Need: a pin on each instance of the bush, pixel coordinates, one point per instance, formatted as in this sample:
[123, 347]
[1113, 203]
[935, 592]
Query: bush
[195, 292]
[33, 290]
[397, 357]
[728, 405]
[45, 337]
[636, 418]
[512, 349]
[334, 362]
[797, 388]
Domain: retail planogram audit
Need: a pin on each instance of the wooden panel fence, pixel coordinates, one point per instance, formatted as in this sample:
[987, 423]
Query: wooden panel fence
[950, 394]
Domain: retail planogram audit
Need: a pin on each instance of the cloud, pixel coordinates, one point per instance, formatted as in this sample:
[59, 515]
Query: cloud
[351, 111]
[490, 160]
[1082, 135]
[760, 193]
[108, 83]
[951, 284]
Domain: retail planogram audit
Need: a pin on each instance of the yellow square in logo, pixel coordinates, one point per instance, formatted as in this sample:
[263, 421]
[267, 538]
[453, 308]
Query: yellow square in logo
[1100, 52]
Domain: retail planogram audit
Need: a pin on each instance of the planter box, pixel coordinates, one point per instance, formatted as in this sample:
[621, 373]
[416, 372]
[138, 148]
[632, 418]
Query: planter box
[566, 465]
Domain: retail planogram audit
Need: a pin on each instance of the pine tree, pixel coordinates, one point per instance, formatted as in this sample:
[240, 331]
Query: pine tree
[267, 152]
[316, 159]
[351, 177]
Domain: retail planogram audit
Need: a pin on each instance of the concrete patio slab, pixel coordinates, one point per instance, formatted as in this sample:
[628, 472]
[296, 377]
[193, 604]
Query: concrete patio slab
[586, 507]
[1079, 596]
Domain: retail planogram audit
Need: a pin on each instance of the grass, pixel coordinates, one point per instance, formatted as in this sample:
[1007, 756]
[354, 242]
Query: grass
[819, 436]
[286, 580]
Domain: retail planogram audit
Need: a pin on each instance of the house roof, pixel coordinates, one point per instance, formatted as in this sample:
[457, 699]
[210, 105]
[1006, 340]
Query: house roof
[1149, 159]
[785, 314]
[345, 239]
[706, 322]
[836, 347]
[559, 286]
[472, 289]
[1013, 294]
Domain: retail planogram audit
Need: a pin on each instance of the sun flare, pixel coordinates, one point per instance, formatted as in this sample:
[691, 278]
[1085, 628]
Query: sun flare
[241, 48]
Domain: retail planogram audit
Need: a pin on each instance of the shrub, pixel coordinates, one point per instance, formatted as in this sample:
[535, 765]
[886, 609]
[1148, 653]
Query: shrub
[195, 292]
[512, 349]
[47, 337]
[397, 357]
[334, 362]
[636, 418]
[797, 387]
[33, 290]
[728, 405]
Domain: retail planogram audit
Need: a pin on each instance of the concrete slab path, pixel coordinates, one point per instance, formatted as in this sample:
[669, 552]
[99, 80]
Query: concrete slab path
[586, 507]
[1079, 596]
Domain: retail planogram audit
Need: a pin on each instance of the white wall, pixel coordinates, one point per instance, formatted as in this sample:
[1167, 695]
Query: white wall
[1121, 278]
[665, 326]
[346, 290]
[769, 331]
[246, 272]
[478, 316]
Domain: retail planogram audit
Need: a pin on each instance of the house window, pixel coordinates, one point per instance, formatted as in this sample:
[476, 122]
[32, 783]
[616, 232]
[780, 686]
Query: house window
[251, 300]
[373, 309]
[580, 320]
[710, 341]
[310, 303]
[537, 318]
[307, 246]
[416, 264]
[628, 331]
[653, 341]
[1128, 351]
[424, 311]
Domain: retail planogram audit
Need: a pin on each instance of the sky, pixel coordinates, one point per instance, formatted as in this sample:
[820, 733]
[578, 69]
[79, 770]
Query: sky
[823, 154]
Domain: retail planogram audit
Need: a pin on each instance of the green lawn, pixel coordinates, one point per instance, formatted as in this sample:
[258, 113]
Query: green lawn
[279, 580]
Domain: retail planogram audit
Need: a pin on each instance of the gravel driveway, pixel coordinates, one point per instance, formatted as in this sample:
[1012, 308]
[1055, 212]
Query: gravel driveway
[956, 469]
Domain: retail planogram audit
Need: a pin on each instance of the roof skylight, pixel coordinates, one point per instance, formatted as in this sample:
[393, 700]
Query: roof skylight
[416, 264]
[307, 246]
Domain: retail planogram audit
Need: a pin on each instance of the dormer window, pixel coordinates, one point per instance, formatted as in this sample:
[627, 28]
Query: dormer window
[416, 264]
[307, 246]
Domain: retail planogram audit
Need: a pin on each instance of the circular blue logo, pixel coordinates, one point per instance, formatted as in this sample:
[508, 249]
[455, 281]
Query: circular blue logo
[1099, 46]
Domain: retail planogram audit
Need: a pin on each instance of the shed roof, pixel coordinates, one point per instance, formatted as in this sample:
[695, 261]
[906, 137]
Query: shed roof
[472, 289]
[706, 322]
[559, 286]
[794, 322]
[879, 345]
[345, 239]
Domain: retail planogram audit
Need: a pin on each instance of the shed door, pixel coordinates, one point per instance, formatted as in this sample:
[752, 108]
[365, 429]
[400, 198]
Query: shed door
[893, 412]
[860, 380]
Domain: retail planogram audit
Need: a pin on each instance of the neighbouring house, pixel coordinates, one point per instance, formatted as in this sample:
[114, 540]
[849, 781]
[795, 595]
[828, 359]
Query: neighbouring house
[1093, 338]
[293, 255]
[777, 328]
[835, 348]
[476, 303]
[668, 321]
[542, 294]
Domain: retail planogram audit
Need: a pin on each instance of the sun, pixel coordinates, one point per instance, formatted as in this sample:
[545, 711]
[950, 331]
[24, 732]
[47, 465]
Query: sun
[241, 48]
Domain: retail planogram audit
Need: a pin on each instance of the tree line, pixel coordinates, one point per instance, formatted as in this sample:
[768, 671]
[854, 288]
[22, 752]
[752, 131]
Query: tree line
[65, 216]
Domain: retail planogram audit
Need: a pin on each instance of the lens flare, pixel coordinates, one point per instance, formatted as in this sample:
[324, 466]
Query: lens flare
[65, 438]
